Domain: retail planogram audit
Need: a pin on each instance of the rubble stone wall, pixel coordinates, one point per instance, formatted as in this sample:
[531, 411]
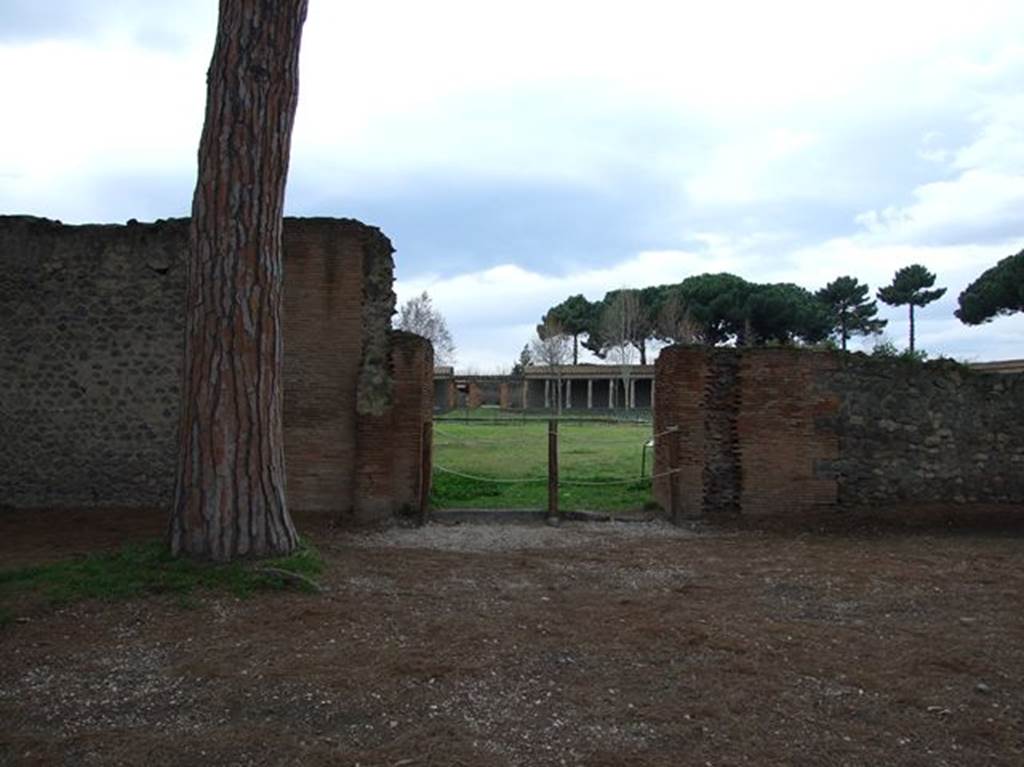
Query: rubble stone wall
[91, 335]
[788, 431]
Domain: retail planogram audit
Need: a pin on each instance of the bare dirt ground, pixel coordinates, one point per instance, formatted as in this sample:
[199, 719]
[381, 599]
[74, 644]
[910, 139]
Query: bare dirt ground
[593, 644]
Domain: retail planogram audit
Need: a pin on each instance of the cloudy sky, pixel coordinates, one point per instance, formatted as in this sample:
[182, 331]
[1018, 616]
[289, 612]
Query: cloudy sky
[517, 153]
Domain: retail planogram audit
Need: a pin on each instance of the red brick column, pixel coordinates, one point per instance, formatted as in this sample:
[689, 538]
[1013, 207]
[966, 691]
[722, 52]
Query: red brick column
[754, 432]
[782, 446]
[680, 376]
[390, 464]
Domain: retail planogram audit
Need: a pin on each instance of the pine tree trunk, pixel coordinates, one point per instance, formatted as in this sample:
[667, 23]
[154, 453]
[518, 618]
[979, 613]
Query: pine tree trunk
[576, 349]
[911, 328]
[229, 498]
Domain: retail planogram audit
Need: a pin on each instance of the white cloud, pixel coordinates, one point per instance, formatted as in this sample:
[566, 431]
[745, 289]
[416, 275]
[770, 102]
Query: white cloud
[984, 198]
[485, 309]
[85, 115]
[745, 109]
[967, 208]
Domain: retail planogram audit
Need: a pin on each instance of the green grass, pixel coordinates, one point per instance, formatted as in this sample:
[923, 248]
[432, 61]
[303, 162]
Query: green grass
[142, 569]
[494, 413]
[518, 449]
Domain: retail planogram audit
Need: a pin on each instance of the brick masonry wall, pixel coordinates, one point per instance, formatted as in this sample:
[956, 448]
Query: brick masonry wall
[785, 445]
[793, 431]
[475, 396]
[323, 342]
[393, 458]
[91, 331]
[681, 378]
[510, 394]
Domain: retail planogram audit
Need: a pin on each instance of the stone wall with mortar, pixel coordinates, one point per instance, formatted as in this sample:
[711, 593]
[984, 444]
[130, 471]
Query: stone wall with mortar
[90, 350]
[937, 432]
[786, 431]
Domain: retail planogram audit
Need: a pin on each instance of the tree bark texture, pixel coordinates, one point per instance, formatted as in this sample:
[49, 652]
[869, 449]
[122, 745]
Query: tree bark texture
[229, 498]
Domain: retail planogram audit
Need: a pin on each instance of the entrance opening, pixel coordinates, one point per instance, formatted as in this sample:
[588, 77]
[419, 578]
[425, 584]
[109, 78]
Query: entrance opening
[492, 459]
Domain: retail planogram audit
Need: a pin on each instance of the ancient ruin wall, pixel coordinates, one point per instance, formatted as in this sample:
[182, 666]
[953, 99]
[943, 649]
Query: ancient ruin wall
[90, 349]
[681, 380]
[784, 431]
[336, 321]
[394, 461]
[938, 432]
[786, 446]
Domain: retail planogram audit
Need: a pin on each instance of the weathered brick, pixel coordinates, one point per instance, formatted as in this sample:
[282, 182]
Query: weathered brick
[91, 332]
[790, 431]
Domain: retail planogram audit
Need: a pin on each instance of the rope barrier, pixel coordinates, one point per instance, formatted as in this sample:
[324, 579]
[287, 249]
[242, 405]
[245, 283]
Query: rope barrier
[669, 430]
[561, 482]
[562, 435]
[634, 480]
[471, 440]
[446, 470]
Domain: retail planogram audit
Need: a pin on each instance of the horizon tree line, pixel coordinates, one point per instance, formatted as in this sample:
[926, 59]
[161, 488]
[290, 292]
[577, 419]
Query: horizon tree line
[725, 309]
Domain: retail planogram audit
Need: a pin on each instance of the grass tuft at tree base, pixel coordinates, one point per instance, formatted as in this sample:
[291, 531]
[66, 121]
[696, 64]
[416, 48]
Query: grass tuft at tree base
[143, 569]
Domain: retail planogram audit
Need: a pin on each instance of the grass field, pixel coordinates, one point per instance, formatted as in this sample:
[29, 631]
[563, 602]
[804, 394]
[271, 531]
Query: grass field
[516, 448]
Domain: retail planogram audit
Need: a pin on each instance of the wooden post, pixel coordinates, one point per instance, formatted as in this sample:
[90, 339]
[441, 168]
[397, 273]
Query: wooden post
[553, 514]
[426, 470]
[673, 478]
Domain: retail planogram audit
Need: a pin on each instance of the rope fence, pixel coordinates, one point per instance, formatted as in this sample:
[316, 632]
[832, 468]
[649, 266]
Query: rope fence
[561, 482]
[497, 480]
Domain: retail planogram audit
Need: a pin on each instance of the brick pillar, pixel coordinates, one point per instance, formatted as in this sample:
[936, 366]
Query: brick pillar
[390, 460]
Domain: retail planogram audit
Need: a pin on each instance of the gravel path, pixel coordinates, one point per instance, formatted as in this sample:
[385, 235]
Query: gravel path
[494, 537]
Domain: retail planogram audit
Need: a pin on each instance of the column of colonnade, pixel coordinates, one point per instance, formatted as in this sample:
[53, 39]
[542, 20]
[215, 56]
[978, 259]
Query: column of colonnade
[556, 392]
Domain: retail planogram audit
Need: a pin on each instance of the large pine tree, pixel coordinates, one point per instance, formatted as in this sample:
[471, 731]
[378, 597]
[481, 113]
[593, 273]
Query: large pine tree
[229, 498]
[574, 316]
[997, 291]
[909, 287]
[849, 309]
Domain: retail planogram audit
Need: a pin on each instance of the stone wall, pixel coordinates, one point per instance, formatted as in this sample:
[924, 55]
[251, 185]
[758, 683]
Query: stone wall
[786, 431]
[933, 432]
[91, 330]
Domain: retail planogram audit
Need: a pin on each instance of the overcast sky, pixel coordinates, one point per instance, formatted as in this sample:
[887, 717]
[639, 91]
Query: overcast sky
[517, 153]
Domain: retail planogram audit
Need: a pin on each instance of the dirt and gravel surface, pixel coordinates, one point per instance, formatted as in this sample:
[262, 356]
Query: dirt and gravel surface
[591, 644]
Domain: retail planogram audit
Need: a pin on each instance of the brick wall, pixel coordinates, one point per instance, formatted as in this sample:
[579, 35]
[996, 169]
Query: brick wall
[510, 394]
[786, 431]
[785, 445]
[444, 394]
[474, 395]
[323, 343]
[394, 457]
[681, 378]
[91, 329]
